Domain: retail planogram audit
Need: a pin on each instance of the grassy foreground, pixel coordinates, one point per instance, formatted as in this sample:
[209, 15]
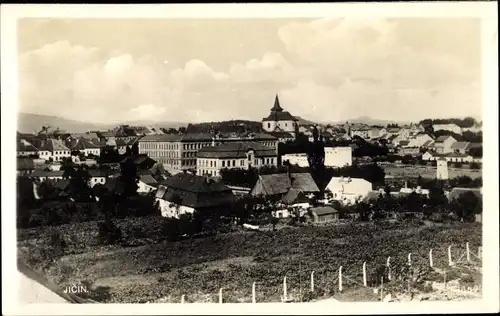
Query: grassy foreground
[150, 268]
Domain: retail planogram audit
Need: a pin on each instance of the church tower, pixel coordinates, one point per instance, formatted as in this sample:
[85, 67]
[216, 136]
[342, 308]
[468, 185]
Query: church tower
[279, 120]
[442, 169]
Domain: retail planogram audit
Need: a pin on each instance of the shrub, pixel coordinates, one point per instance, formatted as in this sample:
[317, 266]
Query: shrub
[109, 233]
[475, 166]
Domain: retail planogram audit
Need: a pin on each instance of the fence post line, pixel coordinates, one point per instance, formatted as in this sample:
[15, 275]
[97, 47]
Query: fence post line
[284, 288]
[480, 252]
[220, 296]
[312, 281]
[253, 293]
[388, 264]
[340, 279]
[365, 283]
[450, 262]
[409, 259]
[182, 299]
[468, 251]
[431, 263]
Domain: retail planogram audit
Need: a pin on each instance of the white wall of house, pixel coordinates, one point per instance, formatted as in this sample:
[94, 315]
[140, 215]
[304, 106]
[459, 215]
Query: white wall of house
[338, 156]
[448, 127]
[169, 209]
[286, 126]
[144, 188]
[299, 159]
[92, 151]
[349, 190]
[97, 180]
[212, 166]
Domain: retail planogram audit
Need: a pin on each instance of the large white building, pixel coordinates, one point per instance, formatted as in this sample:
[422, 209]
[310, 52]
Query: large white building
[243, 155]
[53, 149]
[336, 157]
[349, 190]
[280, 120]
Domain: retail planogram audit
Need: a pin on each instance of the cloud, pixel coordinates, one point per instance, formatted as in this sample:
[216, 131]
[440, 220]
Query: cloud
[329, 69]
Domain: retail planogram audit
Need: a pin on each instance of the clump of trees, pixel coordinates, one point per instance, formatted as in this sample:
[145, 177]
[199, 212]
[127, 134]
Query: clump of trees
[461, 122]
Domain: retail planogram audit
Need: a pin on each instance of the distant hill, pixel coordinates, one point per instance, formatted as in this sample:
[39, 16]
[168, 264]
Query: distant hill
[226, 126]
[369, 121]
[29, 123]
[304, 121]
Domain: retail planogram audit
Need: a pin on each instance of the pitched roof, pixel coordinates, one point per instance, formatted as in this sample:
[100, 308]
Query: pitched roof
[81, 144]
[194, 183]
[294, 196]
[97, 173]
[62, 184]
[236, 150]
[404, 142]
[25, 164]
[323, 210]
[87, 135]
[280, 183]
[148, 179]
[428, 143]
[441, 139]
[281, 134]
[460, 145]
[51, 144]
[43, 173]
[23, 145]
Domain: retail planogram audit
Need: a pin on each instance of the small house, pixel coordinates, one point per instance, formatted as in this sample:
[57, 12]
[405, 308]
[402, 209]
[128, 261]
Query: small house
[323, 214]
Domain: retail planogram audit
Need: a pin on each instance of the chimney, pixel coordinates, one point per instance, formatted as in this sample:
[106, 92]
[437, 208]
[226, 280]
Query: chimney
[406, 185]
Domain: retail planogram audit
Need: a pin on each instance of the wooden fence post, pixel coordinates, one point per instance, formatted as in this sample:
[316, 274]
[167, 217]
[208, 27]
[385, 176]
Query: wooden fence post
[409, 259]
[253, 293]
[182, 299]
[284, 289]
[468, 251]
[340, 279]
[431, 263]
[388, 264]
[480, 252]
[220, 296]
[365, 283]
[450, 262]
[312, 281]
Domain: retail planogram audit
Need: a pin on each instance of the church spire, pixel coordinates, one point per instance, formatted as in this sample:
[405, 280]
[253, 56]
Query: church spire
[277, 107]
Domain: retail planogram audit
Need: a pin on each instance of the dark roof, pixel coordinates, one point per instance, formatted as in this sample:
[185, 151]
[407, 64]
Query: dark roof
[24, 145]
[460, 145]
[87, 135]
[236, 150]
[404, 142]
[114, 185]
[148, 179]
[281, 134]
[96, 173]
[294, 196]
[277, 106]
[280, 183]
[25, 164]
[194, 183]
[43, 173]
[53, 145]
[323, 210]
[280, 116]
[81, 144]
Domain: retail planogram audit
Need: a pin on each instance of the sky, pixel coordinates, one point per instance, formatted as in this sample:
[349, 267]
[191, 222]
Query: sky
[179, 70]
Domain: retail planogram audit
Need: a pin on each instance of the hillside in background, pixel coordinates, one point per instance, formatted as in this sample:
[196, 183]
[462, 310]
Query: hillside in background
[226, 126]
[303, 121]
[368, 121]
[29, 123]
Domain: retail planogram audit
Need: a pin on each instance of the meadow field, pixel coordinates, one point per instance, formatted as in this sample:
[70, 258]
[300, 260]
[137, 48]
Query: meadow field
[413, 171]
[148, 268]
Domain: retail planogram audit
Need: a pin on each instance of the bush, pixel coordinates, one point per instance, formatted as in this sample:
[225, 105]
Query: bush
[475, 166]
[109, 233]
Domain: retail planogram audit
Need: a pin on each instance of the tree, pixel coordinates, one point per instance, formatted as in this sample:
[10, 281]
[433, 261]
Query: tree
[135, 149]
[109, 155]
[129, 177]
[109, 232]
[466, 206]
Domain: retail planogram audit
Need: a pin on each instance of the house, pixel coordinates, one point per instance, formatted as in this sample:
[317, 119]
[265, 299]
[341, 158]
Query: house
[146, 184]
[460, 147]
[25, 166]
[91, 136]
[323, 214]
[338, 157]
[448, 127]
[26, 149]
[413, 151]
[278, 118]
[282, 136]
[141, 161]
[278, 184]
[349, 190]
[84, 146]
[42, 175]
[98, 176]
[210, 160]
[53, 149]
[443, 144]
[361, 131]
[420, 140]
[186, 193]
[299, 159]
